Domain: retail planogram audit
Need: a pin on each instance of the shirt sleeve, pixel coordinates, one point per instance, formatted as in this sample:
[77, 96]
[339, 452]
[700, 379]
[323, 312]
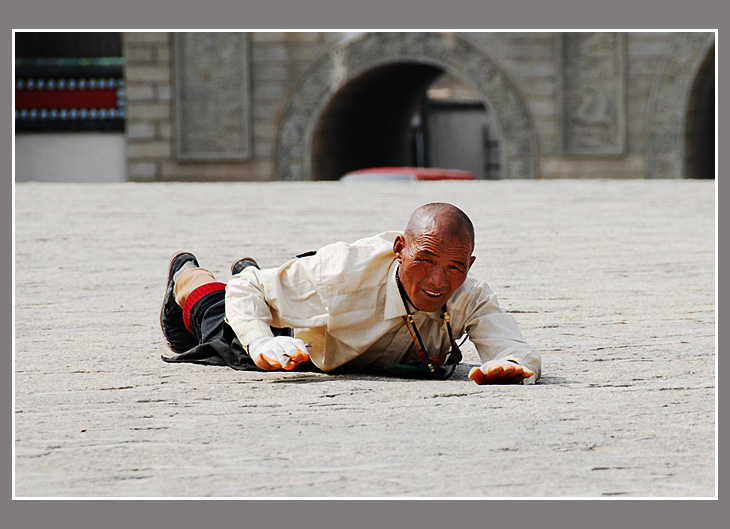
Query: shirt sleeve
[280, 297]
[496, 335]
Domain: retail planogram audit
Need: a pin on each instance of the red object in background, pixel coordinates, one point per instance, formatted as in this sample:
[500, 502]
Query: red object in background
[406, 173]
[65, 99]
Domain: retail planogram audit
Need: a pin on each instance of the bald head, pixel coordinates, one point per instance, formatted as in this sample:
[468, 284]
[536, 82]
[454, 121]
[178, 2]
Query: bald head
[447, 218]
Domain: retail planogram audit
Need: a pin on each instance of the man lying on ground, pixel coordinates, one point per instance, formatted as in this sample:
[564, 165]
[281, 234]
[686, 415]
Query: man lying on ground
[393, 303]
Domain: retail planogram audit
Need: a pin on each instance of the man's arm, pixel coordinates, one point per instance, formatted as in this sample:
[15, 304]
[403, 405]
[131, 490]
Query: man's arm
[506, 357]
[281, 297]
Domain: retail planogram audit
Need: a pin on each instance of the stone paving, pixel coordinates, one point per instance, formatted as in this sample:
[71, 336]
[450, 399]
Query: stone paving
[613, 281]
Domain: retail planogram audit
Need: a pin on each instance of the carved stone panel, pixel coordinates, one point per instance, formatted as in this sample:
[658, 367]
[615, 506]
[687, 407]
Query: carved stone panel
[212, 96]
[593, 93]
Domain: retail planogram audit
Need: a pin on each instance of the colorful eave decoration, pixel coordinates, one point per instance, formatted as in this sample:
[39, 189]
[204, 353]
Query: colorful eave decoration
[67, 102]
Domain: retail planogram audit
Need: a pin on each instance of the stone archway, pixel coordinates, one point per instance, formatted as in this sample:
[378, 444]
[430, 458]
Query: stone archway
[447, 52]
[669, 101]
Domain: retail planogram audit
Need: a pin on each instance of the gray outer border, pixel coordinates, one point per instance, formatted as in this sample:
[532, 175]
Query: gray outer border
[621, 145]
[449, 51]
[178, 52]
[354, 514]
[668, 102]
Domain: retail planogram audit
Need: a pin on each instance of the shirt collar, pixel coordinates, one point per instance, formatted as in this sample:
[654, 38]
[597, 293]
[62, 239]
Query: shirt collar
[393, 302]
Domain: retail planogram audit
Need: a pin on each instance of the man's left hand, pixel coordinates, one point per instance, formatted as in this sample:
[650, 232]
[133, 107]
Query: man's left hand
[506, 373]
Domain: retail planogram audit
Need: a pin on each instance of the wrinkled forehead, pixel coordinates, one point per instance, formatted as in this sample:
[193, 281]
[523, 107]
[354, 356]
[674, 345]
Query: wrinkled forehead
[441, 232]
[438, 240]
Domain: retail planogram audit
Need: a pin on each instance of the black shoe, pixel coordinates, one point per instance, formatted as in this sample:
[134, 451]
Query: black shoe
[242, 263]
[179, 339]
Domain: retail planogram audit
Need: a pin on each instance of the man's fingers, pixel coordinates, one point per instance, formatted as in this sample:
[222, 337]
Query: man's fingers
[294, 360]
[494, 371]
[288, 361]
[291, 364]
[266, 363]
[520, 373]
[476, 375]
[281, 352]
[294, 351]
[508, 373]
[299, 356]
[506, 376]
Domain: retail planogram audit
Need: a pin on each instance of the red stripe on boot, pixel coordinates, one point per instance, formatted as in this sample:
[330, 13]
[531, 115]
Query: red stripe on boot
[195, 295]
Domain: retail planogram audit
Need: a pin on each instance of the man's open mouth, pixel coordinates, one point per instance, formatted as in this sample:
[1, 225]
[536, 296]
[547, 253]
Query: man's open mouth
[432, 294]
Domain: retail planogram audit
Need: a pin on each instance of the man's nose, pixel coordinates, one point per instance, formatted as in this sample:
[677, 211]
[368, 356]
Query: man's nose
[438, 278]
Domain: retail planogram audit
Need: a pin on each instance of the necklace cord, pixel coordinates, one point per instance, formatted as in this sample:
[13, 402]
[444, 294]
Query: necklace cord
[454, 355]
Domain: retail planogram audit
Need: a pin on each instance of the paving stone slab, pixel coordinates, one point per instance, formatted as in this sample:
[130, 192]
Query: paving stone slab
[613, 281]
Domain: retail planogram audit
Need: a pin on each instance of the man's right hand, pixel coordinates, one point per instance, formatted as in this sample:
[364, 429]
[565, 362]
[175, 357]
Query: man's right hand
[271, 353]
[495, 373]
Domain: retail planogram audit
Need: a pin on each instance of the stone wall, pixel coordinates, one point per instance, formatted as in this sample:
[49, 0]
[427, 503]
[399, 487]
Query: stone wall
[148, 73]
[573, 105]
[277, 60]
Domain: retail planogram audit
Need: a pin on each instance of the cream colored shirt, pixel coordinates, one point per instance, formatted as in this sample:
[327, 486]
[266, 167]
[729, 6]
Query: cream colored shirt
[345, 302]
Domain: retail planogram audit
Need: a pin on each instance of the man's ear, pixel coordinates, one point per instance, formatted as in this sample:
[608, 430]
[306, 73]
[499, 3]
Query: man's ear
[398, 245]
[471, 261]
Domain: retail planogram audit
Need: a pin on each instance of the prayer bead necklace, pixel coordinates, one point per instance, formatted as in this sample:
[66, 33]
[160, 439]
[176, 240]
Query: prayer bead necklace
[454, 355]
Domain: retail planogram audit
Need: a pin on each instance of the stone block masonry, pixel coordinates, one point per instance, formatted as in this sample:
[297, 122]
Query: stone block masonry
[554, 112]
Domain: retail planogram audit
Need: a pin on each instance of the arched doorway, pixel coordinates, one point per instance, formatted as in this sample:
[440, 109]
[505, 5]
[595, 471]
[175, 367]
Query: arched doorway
[355, 107]
[678, 125]
[404, 114]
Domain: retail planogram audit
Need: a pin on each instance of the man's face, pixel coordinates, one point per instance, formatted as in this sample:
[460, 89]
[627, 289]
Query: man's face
[433, 265]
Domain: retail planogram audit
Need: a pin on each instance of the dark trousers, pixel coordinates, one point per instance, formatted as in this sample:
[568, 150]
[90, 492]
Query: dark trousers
[217, 343]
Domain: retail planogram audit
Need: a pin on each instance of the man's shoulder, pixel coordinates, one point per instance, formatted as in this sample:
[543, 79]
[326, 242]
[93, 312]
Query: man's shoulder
[384, 239]
[380, 243]
[354, 265]
[471, 290]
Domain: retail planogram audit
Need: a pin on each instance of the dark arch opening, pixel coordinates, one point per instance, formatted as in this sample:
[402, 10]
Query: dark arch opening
[404, 114]
[367, 123]
[700, 123]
